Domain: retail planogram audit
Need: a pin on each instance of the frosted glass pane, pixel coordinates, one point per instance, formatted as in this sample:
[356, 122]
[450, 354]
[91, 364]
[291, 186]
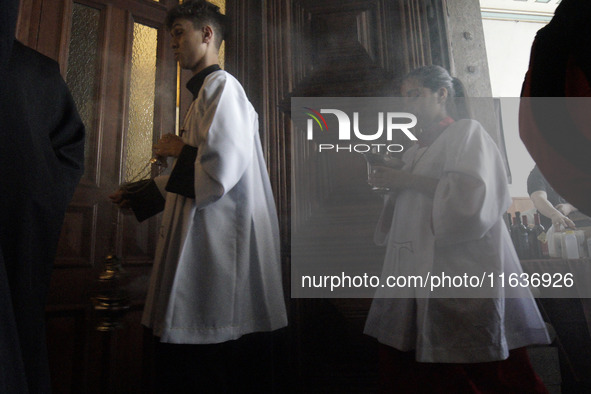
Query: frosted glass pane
[82, 70]
[142, 92]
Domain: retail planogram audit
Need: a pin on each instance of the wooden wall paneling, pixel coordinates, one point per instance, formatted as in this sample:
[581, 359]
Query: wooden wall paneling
[417, 54]
[132, 335]
[115, 363]
[28, 31]
[425, 28]
[277, 67]
[299, 42]
[317, 71]
[244, 53]
[49, 40]
[344, 48]
[66, 22]
[100, 348]
[77, 243]
[146, 9]
[436, 14]
[403, 35]
[67, 328]
[253, 50]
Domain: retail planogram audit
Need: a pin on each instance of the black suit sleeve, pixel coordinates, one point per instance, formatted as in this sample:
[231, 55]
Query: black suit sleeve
[67, 140]
[42, 157]
[144, 198]
[182, 177]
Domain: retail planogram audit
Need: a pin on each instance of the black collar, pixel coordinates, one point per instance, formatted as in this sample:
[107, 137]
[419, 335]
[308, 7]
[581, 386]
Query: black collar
[196, 82]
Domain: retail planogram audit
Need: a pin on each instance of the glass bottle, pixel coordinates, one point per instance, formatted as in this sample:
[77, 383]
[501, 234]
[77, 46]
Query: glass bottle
[520, 237]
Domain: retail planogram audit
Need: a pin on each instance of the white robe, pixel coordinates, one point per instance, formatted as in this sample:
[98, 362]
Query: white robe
[458, 230]
[217, 267]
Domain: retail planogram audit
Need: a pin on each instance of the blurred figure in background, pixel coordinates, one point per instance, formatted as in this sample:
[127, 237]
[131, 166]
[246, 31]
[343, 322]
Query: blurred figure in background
[444, 215]
[554, 209]
[557, 132]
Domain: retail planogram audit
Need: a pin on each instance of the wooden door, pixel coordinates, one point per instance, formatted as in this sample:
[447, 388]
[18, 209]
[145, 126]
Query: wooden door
[316, 48]
[115, 56]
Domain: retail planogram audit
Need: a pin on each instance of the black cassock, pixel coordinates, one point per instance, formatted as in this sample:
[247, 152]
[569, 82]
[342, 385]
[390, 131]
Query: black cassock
[41, 162]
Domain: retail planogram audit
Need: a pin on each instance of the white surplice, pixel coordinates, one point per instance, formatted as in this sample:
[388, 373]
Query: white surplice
[457, 231]
[217, 267]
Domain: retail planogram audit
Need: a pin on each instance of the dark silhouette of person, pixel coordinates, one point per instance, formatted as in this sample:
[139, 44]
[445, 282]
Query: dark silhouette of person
[555, 116]
[42, 152]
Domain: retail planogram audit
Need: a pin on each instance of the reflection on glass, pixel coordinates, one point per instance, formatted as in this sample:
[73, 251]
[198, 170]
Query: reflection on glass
[81, 73]
[142, 91]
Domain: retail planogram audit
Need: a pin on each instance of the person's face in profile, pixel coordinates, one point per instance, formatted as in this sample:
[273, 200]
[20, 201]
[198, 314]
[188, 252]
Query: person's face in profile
[188, 43]
[428, 106]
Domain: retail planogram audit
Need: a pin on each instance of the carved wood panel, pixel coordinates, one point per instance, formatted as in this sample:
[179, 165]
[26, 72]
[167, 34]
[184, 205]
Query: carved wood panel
[335, 48]
[355, 48]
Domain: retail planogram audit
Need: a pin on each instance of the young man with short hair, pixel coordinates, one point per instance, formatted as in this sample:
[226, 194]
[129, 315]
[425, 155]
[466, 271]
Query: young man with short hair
[216, 283]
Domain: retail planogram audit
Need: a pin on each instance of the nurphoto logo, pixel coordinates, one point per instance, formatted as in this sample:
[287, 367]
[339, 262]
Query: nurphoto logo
[394, 122]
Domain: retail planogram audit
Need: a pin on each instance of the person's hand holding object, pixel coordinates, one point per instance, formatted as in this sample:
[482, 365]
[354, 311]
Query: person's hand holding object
[169, 145]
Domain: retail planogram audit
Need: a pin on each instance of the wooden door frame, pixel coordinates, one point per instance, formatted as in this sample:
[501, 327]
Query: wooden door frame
[70, 319]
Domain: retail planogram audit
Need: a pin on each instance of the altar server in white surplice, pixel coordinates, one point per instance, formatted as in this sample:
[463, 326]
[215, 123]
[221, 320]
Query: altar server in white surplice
[444, 216]
[217, 268]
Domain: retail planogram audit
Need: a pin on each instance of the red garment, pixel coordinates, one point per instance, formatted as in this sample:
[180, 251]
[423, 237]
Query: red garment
[400, 373]
[427, 137]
